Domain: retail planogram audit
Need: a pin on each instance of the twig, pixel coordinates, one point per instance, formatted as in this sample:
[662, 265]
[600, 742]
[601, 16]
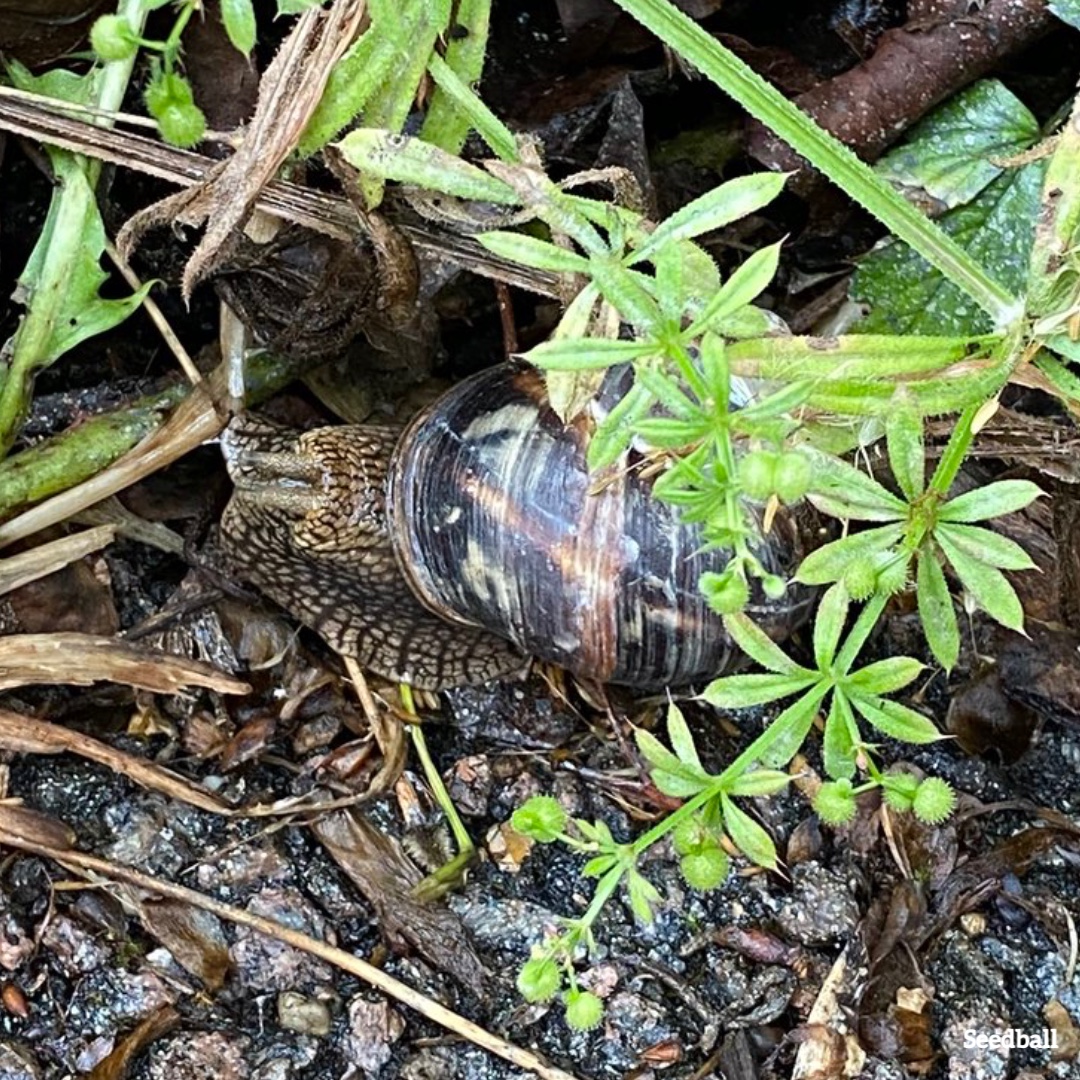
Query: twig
[92, 867]
[157, 317]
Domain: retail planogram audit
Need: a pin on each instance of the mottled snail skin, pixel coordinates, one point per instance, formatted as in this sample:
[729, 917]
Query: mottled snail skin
[307, 524]
[489, 513]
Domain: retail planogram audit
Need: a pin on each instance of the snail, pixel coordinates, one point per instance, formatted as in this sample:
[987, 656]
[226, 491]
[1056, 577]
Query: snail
[445, 553]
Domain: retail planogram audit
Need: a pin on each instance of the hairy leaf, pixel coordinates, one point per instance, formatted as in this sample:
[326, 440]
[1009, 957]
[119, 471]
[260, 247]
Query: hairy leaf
[829, 562]
[987, 546]
[748, 836]
[897, 721]
[884, 676]
[936, 609]
[742, 691]
[837, 748]
[713, 210]
[989, 586]
[760, 647]
[993, 500]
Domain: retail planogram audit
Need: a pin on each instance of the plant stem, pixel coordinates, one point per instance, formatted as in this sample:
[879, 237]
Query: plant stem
[955, 452]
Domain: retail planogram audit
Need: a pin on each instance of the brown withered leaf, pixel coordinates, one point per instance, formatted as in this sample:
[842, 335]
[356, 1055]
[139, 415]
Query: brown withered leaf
[829, 1050]
[289, 91]
[194, 938]
[381, 871]
[27, 735]
[82, 659]
[118, 1063]
[972, 882]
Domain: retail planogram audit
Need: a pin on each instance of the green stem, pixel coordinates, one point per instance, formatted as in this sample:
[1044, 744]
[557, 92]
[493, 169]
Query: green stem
[171, 47]
[955, 452]
[822, 150]
[438, 789]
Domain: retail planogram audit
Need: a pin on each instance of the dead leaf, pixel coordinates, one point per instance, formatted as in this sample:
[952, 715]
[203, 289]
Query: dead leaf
[193, 937]
[289, 92]
[380, 870]
[117, 1064]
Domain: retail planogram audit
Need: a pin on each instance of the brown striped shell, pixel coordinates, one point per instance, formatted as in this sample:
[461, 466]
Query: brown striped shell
[496, 525]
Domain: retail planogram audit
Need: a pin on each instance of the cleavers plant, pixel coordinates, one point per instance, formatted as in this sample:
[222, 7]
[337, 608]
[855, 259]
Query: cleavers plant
[741, 417]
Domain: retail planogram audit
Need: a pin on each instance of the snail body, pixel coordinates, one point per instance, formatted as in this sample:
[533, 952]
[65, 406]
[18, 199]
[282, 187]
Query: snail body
[483, 514]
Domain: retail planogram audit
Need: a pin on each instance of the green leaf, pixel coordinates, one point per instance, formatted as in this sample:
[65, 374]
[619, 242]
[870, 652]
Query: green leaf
[616, 430]
[743, 691]
[682, 742]
[987, 546]
[760, 782]
[409, 161]
[760, 647]
[381, 71]
[829, 623]
[599, 866]
[897, 721]
[668, 393]
[828, 563]
[669, 774]
[777, 403]
[61, 278]
[843, 491]
[713, 210]
[988, 586]
[936, 609]
[907, 296]
[453, 105]
[951, 154]
[529, 251]
[414, 26]
[993, 500]
[643, 894]
[626, 291]
[884, 676]
[1068, 11]
[904, 438]
[596, 832]
[789, 730]
[684, 275]
[741, 289]
[580, 354]
[239, 19]
[837, 749]
[654, 751]
[748, 836]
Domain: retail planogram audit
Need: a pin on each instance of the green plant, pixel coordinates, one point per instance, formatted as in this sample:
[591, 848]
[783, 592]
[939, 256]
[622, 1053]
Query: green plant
[169, 98]
[746, 419]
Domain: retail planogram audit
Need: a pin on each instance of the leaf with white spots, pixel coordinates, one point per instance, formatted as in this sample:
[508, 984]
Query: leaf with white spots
[907, 296]
[955, 152]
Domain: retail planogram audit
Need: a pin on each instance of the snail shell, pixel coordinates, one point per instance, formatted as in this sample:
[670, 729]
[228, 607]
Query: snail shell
[486, 517]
